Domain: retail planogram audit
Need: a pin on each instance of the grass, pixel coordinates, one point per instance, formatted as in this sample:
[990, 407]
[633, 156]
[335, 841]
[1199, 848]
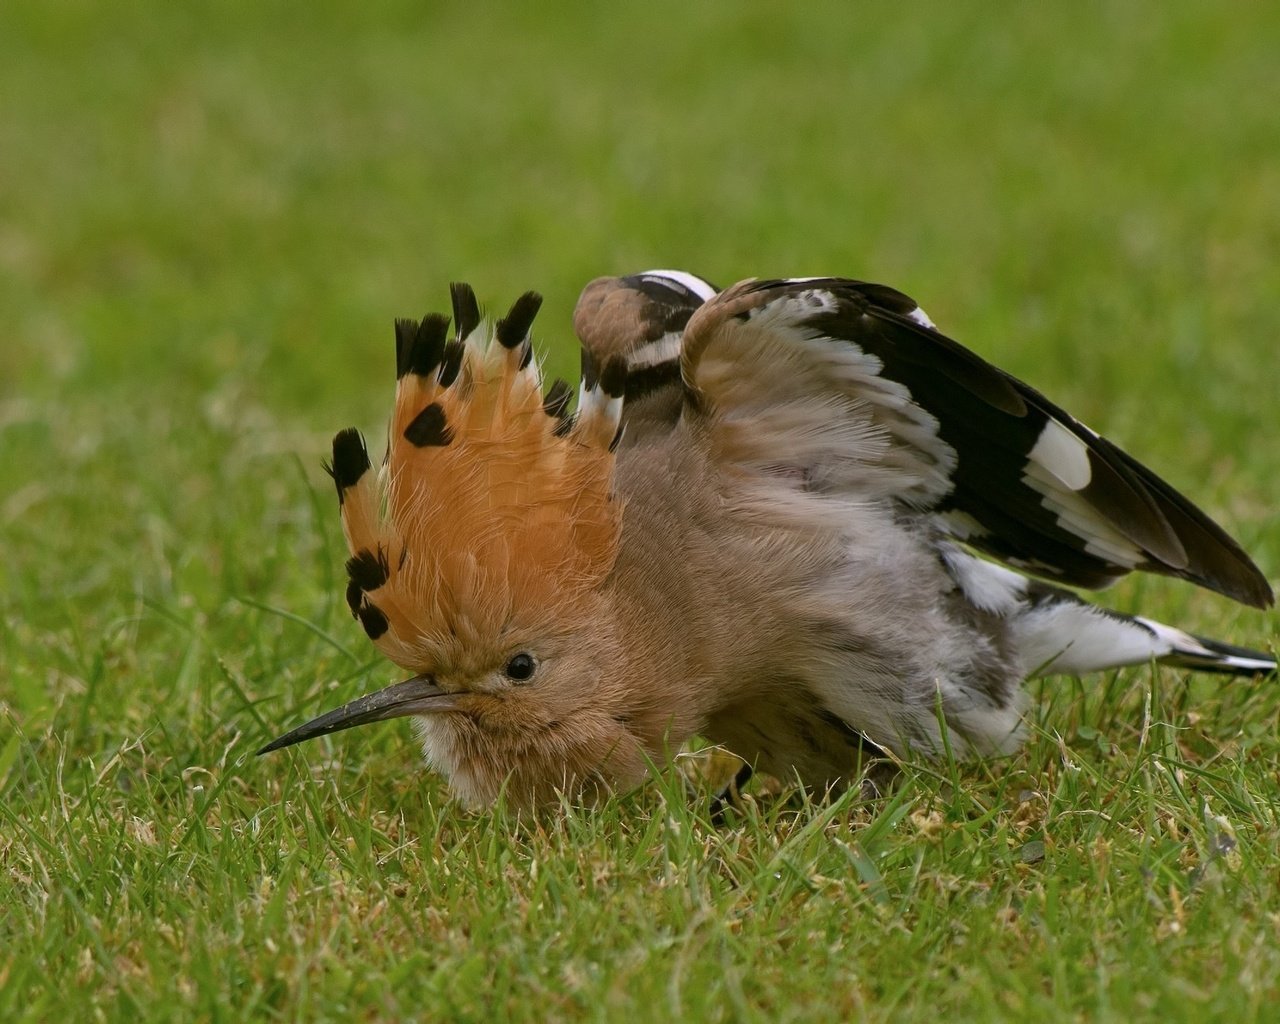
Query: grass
[208, 220]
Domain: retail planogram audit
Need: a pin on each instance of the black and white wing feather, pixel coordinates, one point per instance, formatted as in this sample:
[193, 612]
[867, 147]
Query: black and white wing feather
[642, 318]
[846, 388]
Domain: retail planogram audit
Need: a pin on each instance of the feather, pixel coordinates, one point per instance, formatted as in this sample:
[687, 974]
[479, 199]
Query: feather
[482, 512]
[958, 437]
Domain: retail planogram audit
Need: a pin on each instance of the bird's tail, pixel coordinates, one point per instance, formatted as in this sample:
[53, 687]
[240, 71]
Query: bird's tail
[1063, 635]
[1201, 654]
[1055, 632]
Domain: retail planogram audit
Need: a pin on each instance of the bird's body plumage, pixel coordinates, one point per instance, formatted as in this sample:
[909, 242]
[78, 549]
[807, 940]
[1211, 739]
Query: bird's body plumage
[805, 471]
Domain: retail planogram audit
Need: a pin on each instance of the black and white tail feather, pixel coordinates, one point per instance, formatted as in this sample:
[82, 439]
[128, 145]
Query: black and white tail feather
[846, 390]
[1055, 632]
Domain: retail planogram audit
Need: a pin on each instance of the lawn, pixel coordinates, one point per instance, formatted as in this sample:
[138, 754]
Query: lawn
[208, 220]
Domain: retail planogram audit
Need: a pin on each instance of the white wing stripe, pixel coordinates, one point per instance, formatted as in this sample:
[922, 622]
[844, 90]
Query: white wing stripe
[663, 350]
[694, 284]
[1064, 455]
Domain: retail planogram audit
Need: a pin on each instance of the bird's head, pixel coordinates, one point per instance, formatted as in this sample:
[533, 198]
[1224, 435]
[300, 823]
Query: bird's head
[479, 555]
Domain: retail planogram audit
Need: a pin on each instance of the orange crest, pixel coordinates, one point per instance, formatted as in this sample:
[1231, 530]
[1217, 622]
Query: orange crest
[494, 509]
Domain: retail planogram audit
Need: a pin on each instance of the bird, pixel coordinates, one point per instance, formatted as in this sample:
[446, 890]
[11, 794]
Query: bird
[791, 517]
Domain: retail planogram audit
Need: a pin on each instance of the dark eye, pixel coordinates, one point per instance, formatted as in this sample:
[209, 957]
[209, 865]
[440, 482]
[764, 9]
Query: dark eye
[520, 667]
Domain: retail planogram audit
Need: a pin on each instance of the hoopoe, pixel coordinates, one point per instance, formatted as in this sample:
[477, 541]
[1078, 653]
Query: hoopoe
[765, 524]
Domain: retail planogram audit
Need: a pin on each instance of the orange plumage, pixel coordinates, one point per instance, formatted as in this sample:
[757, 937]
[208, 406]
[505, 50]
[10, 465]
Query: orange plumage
[490, 507]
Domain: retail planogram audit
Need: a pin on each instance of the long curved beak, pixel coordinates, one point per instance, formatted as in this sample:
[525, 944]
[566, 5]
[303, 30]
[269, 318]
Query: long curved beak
[416, 696]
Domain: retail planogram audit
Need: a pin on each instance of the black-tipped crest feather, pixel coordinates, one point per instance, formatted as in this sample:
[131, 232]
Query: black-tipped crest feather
[466, 310]
[374, 622]
[452, 363]
[513, 328]
[427, 348]
[406, 331]
[429, 428]
[350, 459]
[369, 570]
[556, 402]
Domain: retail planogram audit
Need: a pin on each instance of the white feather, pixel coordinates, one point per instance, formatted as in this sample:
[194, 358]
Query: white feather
[1063, 454]
[663, 350]
[1070, 638]
[699, 287]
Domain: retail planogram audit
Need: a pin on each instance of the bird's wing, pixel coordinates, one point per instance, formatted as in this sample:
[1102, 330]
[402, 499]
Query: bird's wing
[845, 388]
[642, 318]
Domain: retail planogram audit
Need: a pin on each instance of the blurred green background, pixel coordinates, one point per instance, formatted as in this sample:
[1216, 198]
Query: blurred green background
[210, 214]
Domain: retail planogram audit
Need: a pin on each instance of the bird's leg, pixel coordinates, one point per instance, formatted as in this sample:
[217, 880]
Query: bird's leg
[877, 777]
[731, 795]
